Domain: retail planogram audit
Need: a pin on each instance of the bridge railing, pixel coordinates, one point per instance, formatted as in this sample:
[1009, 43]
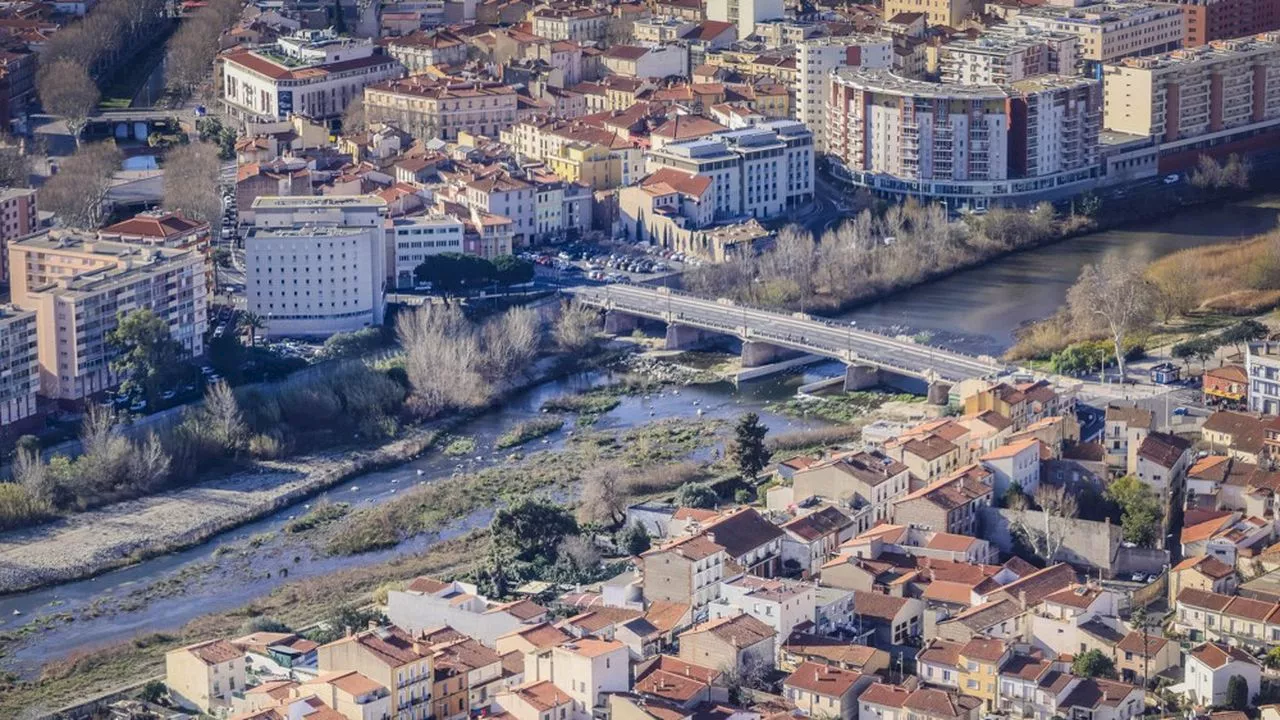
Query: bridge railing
[987, 363]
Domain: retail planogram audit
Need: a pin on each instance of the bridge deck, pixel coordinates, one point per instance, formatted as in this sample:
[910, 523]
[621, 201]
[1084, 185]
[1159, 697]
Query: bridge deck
[807, 334]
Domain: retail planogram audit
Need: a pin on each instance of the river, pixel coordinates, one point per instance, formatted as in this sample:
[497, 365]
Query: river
[979, 308]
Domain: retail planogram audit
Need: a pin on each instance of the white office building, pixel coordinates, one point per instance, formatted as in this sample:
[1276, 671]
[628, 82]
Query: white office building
[759, 171]
[1263, 366]
[414, 239]
[815, 59]
[316, 265]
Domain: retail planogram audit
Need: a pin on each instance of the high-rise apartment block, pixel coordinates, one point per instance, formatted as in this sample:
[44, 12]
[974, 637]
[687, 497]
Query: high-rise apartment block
[744, 13]
[1188, 93]
[19, 364]
[79, 286]
[817, 58]
[1209, 20]
[1108, 31]
[18, 218]
[1004, 54]
[964, 144]
[317, 265]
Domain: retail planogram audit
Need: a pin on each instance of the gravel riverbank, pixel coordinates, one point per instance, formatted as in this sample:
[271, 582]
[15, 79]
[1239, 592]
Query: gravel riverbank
[89, 543]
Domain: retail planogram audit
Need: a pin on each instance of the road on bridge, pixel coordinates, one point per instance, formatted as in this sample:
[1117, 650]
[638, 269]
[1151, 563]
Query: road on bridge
[811, 335]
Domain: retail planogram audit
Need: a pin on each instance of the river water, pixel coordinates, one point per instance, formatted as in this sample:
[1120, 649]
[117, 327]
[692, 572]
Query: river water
[985, 305]
[978, 308]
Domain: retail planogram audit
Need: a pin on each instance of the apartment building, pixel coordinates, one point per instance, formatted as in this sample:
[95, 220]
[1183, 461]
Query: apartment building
[685, 570]
[312, 73]
[782, 605]
[1209, 20]
[391, 657]
[1108, 31]
[1199, 94]
[744, 13]
[1262, 363]
[78, 286]
[317, 265]
[1243, 622]
[816, 58]
[414, 239]
[599, 158]
[206, 675]
[19, 364]
[950, 504]
[755, 172]
[866, 482]
[949, 13]
[18, 218]
[966, 145]
[576, 24]
[1004, 54]
[441, 108]
[420, 49]
[820, 690]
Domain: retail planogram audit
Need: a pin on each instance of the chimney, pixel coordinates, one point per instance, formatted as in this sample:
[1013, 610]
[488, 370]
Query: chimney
[347, 631]
[373, 624]
[1022, 599]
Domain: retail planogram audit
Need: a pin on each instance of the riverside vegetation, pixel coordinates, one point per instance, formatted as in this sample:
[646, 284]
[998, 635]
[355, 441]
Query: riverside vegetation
[448, 363]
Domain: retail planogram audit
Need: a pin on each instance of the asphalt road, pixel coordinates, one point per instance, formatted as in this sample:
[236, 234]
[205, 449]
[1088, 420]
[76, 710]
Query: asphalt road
[807, 335]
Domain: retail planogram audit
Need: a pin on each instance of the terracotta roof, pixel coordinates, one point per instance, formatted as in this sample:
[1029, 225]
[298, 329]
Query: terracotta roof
[154, 225]
[543, 635]
[941, 704]
[822, 679]
[524, 610]
[215, 652]
[1142, 644]
[543, 695]
[1215, 655]
[1076, 596]
[740, 631]
[885, 695]
[707, 30]
[687, 183]
[1249, 609]
[626, 52]
[1026, 667]
[1207, 565]
[877, 605]
[1011, 450]
[694, 547]
[951, 542]
[1163, 449]
[832, 650]
[1248, 432]
[1040, 584]
[1212, 468]
[685, 127]
[983, 649]
[1131, 416]
[1096, 692]
[955, 593]
[930, 447]
[1204, 530]
[941, 652]
[1085, 452]
[956, 490]
[597, 619]
[820, 523]
[694, 514]
[664, 615]
[591, 647]
[872, 468]
[350, 682]
[739, 532]
[674, 679]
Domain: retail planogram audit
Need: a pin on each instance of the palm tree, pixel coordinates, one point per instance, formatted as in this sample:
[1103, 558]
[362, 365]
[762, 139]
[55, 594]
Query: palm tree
[252, 322]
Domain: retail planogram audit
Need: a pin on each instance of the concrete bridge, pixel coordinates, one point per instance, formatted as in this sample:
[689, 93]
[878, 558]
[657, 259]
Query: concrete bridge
[769, 337]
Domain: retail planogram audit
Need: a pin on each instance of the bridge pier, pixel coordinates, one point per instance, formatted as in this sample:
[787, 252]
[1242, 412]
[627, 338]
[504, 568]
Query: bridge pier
[939, 393]
[685, 337]
[619, 323]
[861, 377]
[757, 354]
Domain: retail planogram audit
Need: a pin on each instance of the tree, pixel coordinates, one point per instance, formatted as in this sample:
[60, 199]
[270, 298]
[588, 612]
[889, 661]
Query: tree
[697, 495]
[224, 416]
[577, 560]
[633, 539]
[148, 356]
[1046, 531]
[748, 448]
[1114, 296]
[252, 323]
[1139, 507]
[1273, 657]
[1237, 693]
[15, 165]
[353, 118]
[1093, 664]
[77, 195]
[66, 90]
[450, 273]
[576, 327]
[1244, 331]
[602, 498]
[531, 527]
[1141, 623]
[511, 270]
[153, 691]
[191, 181]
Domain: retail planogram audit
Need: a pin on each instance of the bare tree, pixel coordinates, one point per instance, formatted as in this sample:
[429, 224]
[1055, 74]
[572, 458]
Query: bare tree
[191, 174]
[354, 121]
[30, 471]
[1046, 533]
[579, 553]
[602, 499]
[1114, 296]
[224, 417]
[577, 327]
[15, 165]
[66, 90]
[77, 195]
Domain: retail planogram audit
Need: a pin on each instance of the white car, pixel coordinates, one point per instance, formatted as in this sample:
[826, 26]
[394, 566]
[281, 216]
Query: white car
[1171, 179]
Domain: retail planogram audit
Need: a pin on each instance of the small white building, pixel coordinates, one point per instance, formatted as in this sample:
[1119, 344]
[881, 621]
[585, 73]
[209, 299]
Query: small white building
[1018, 462]
[782, 605]
[1209, 667]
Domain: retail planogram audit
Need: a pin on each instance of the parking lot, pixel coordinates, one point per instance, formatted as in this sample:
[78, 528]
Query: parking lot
[610, 264]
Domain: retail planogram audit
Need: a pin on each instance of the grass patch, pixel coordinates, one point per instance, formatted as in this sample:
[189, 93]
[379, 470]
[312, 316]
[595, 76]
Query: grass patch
[816, 438]
[528, 430]
[593, 402]
[701, 360]
[460, 447]
[321, 514]
[844, 408]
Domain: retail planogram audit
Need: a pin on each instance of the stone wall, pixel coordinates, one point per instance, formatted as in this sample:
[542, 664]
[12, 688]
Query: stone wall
[1089, 545]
